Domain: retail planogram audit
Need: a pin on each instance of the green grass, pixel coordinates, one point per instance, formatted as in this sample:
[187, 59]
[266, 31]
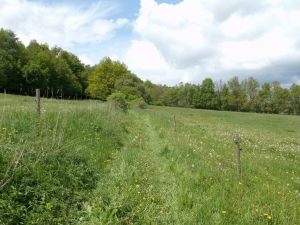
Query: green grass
[134, 169]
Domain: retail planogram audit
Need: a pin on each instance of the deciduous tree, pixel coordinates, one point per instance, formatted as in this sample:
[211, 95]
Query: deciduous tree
[105, 74]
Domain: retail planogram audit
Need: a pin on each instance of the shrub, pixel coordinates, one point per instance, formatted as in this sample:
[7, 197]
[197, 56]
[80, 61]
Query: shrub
[139, 103]
[118, 101]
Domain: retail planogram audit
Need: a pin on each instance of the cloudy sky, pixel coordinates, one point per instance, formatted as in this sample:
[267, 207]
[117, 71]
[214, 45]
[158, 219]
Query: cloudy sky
[169, 41]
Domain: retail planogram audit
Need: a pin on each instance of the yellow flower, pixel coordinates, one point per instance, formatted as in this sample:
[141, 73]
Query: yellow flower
[139, 192]
[224, 212]
[269, 217]
[240, 183]
[9, 134]
[4, 128]
[278, 192]
[16, 162]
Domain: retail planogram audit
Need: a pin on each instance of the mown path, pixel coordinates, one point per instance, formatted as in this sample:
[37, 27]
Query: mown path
[139, 185]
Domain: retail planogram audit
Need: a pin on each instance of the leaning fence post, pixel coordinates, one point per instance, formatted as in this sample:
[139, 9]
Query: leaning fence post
[238, 155]
[37, 91]
[174, 123]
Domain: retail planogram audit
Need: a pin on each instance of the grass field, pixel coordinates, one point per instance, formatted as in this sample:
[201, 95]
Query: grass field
[88, 164]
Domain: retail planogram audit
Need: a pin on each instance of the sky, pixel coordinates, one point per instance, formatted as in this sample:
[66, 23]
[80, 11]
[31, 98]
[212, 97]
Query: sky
[169, 41]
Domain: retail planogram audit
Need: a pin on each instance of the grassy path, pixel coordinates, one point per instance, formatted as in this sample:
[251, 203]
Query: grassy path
[140, 184]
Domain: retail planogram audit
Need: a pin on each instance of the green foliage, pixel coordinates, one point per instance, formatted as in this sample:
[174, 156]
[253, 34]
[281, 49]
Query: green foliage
[50, 164]
[118, 101]
[205, 97]
[250, 86]
[34, 76]
[103, 78]
[185, 95]
[225, 98]
[237, 95]
[295, 98]
[138, 103]
[10, 61]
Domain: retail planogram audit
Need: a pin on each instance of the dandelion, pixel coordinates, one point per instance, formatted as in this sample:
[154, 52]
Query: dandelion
[268, 216]
[10, 134]
[278, 192]
[240, 183]
[224, 212]
[16, 162]
[139, 193]
[3, 128]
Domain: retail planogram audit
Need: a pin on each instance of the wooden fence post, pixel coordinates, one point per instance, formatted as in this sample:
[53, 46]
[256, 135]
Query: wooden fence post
[174, 123]
[238, 155]
[37, 91]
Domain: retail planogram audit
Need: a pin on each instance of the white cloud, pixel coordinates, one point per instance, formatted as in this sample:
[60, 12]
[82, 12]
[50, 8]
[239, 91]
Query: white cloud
[197, 39]
[171, 43]
[63, 25]
[85, 59]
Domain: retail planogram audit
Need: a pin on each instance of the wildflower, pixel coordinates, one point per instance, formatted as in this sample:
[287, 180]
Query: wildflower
[240, 183]
[278, 192]
[16, 162]
[224, 212]
[3, 128]
[139, 193]
[9, 134]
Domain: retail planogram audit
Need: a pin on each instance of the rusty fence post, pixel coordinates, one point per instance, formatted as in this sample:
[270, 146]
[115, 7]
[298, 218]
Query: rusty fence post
[238, 154]
[37, 91]
[174, 123]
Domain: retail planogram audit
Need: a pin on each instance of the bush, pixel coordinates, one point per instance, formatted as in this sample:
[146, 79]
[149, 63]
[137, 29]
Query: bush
[139, 103]
[118, 101]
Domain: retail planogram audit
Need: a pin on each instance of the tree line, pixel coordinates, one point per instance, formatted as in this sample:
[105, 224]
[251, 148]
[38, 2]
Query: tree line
[59, 73]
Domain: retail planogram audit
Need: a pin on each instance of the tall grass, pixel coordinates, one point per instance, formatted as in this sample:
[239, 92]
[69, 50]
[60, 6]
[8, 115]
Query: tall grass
[51, 163]
[80, 163]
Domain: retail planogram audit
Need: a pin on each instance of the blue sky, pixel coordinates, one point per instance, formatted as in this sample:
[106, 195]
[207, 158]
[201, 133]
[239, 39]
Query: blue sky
[169, 41]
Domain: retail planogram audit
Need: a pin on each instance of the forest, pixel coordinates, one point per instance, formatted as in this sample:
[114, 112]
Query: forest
[61, 74]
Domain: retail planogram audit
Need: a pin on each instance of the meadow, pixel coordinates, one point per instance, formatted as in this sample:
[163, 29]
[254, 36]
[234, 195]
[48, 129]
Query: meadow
[82, 162]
